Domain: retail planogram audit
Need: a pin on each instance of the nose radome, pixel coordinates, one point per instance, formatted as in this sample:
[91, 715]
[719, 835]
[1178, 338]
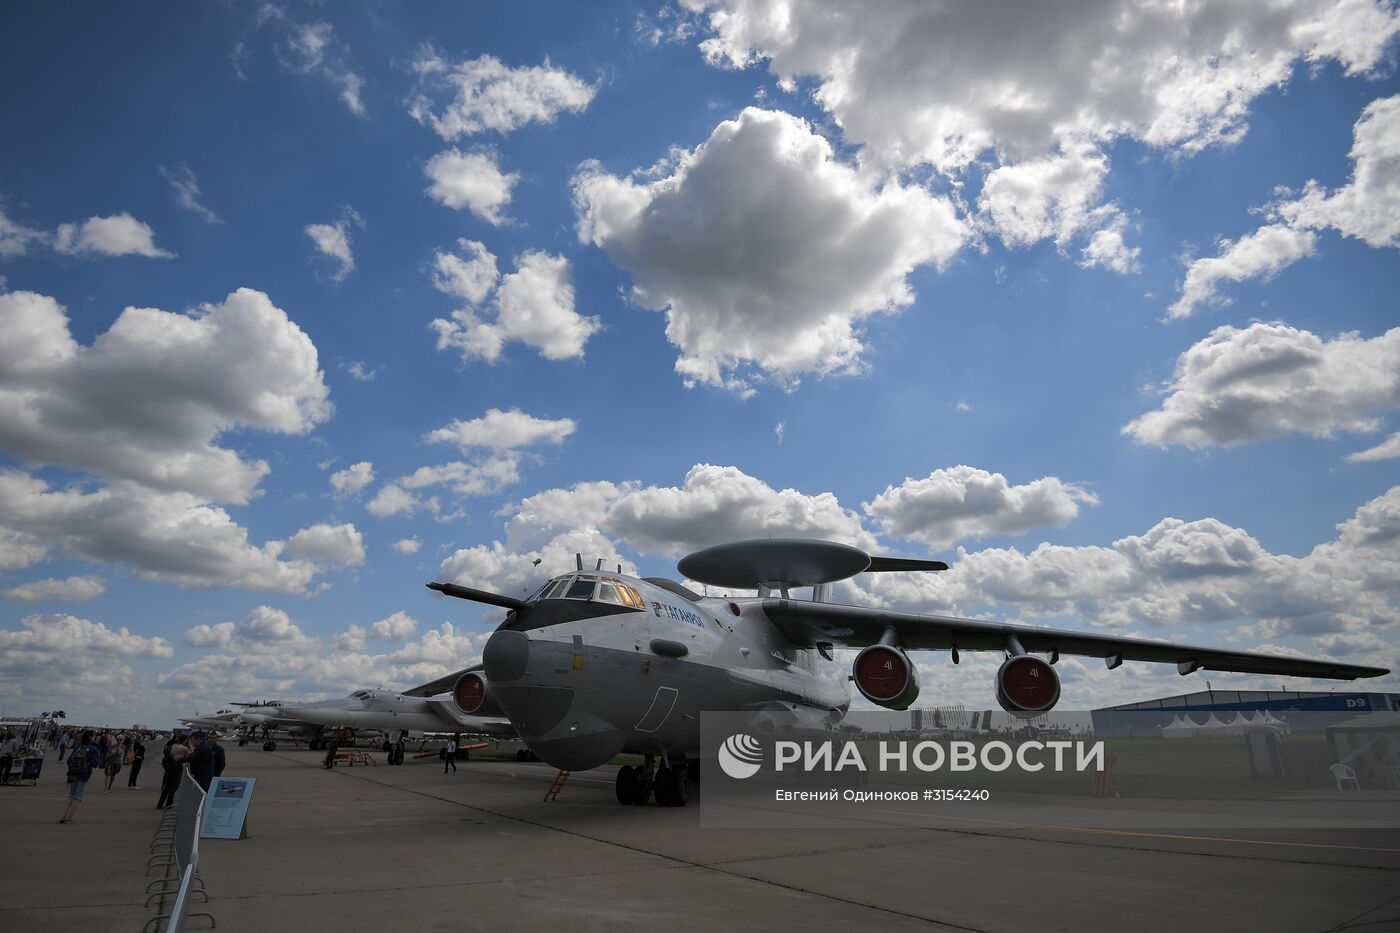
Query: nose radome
[506, 656]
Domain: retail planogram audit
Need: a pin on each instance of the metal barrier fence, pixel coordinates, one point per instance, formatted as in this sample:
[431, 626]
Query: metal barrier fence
[175, 852]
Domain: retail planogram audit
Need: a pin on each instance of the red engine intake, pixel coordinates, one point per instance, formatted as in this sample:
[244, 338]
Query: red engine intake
[1027, 684]
[886, 677]
[473, 696]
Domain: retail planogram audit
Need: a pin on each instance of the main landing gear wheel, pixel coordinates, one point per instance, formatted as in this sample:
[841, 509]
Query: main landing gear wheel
[632, 788]
[269, 746]
[672, 787]
[387, 747]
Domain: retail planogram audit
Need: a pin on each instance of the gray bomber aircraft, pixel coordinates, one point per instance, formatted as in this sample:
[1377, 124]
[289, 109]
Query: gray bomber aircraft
[596, 663]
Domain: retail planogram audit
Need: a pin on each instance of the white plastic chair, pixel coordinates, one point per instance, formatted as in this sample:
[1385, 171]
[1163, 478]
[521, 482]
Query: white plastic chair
[1343, 774]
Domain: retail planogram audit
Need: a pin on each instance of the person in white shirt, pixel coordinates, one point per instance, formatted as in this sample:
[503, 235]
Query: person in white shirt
[450, 761]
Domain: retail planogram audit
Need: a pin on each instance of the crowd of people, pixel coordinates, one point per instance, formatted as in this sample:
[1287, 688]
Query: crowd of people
[86, 752]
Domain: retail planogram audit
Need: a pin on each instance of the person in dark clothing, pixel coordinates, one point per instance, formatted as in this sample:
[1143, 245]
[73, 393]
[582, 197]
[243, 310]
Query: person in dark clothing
[8, 749]
[217, 751]
[201, 761]
[176, 750]
[138, 755]
[81, 763]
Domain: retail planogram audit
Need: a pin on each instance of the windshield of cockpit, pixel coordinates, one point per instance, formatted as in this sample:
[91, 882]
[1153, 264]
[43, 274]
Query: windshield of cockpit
[589, 586]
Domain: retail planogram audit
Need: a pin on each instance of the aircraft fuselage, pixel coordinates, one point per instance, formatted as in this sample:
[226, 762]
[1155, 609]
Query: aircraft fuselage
[585, 679]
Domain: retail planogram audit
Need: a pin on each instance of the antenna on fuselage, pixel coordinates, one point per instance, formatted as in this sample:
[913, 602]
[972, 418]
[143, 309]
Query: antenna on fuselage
[578, 559]
[600, 564]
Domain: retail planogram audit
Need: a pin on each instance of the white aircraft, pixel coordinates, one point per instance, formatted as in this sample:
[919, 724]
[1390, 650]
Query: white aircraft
[224, 719]
[390, 713]
[597, 663]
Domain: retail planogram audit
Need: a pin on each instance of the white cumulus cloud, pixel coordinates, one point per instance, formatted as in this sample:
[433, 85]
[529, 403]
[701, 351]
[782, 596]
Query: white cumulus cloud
[482, 94]
[118, 235]
[209, 636]
[341, 545]
[533, 305]
[1368, 206]
[170, 537]
[1264, 253]
[961, 502]
[62, 638]
[952, 84]
[352, 480]
[503, 430]
[471, 180]
[148, 399]
[71, 590]
[470, 273]
[1270, 380]
[942, 82]
[398, 627]
[764, 249]
[1387, 449]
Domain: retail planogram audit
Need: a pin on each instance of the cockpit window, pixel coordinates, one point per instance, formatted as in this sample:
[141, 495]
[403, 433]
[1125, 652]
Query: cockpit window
[582, 588]
[629, 596]
[588, 587]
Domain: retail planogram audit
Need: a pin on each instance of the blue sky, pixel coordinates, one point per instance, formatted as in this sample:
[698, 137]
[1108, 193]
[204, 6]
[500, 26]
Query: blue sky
[1099, 309]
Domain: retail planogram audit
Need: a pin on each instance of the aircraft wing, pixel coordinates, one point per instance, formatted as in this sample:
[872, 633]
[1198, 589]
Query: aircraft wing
[441, 685]
[808, 624]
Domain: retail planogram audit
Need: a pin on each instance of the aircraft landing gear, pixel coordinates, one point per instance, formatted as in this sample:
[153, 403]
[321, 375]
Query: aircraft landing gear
[388, 746]
[269, 746]
[632, 786]
[671, 785]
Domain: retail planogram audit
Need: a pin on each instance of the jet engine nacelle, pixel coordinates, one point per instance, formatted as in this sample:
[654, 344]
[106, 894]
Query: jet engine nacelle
[1027, 685]
[885, 676]
[472, 694]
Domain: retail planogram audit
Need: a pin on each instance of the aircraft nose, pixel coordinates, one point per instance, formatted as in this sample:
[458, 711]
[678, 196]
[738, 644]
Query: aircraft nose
[506, 656]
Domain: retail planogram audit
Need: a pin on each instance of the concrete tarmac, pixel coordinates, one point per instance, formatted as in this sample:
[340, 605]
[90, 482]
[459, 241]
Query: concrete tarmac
[412, 848]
